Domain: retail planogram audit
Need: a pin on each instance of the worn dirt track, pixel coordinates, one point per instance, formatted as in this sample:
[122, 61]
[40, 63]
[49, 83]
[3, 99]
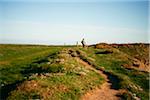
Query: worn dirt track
[103, 93]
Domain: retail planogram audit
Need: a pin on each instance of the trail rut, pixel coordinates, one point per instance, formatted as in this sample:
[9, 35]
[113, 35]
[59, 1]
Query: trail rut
[106, 92]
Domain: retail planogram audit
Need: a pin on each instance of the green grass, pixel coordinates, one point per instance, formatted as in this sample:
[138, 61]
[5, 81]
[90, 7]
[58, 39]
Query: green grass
[49, 72]
[113, 63]
[29, 65]
[16, 58]
[67, 86]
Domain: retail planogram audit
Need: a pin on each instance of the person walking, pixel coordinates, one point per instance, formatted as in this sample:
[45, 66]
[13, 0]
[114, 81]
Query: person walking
[83, 43]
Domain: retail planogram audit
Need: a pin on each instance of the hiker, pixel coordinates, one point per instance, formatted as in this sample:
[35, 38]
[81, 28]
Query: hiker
[83, 42]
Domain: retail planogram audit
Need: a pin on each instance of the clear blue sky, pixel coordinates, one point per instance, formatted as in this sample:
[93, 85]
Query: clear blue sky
[59, 22]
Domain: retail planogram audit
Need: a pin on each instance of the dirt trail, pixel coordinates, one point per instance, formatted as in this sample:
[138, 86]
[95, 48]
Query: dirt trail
[105, 92]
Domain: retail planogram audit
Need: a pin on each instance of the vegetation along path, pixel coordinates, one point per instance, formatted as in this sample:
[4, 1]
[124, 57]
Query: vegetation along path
[107, 90]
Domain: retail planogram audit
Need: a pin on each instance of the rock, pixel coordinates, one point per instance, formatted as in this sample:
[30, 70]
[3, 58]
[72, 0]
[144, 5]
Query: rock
[48, 63]
[74, 54]
[33, 76]
[2, 84]
[36, 74]
[57, 60]
[62, 61]
[135, 97]
[136, 64]
[47, 74]
[35, 85]
[127, 66]
[42, 76]
[140, 89]
[82, 73]
[135, 87]
[102, 68]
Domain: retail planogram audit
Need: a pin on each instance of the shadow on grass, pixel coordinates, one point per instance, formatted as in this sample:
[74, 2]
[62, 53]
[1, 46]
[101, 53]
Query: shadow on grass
[35, 67]
[53, 55]
[5, 90]
[104, 52]
[27, 72]
[114, 80]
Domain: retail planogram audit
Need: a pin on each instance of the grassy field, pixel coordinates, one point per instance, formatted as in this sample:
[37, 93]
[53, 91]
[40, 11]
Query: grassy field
[132, 80]
[29, 72]
[16, 58]
[53, 73]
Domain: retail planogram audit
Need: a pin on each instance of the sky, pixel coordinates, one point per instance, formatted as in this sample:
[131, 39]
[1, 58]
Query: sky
[66, 22]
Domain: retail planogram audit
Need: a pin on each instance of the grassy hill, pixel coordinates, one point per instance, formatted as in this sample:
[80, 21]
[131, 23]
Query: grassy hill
[54, 72]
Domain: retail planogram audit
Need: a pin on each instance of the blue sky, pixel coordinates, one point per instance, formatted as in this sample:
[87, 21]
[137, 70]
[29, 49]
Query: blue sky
[59, 22]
